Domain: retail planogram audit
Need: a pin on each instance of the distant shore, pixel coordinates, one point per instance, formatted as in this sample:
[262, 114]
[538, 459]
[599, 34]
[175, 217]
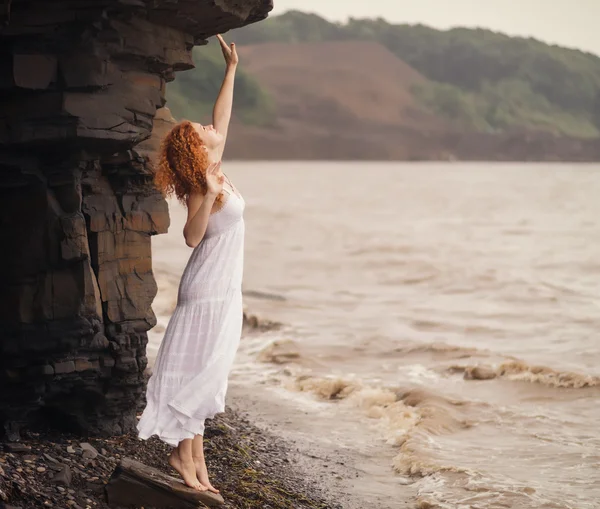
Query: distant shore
[299, 143]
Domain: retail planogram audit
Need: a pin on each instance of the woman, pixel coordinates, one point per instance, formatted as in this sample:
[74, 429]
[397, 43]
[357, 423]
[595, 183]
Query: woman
[189, 380]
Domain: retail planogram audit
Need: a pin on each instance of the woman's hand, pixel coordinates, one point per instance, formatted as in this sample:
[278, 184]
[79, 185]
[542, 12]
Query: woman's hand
[214, 179]
[229, 52]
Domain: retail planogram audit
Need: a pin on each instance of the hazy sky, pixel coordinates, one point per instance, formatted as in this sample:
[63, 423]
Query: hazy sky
[571, 23]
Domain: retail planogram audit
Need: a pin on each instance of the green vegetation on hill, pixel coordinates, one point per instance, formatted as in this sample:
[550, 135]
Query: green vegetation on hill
[478, 78]
[192, 95]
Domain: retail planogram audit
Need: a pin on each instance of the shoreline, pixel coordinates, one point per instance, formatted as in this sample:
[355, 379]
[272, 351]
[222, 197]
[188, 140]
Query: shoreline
[252, 468]
[358, 475]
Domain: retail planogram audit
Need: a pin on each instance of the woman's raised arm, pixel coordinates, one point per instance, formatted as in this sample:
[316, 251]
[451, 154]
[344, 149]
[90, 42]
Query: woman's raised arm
[224, 102]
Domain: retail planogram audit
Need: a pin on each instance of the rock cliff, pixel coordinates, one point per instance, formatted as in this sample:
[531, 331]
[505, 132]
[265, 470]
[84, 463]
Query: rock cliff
[81, 81]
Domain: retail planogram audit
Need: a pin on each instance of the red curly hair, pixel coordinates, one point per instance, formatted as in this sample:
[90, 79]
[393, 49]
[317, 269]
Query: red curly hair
[182, 164]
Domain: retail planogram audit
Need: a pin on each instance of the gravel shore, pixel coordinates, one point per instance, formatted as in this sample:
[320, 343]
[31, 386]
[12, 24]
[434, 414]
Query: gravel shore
[251, 468]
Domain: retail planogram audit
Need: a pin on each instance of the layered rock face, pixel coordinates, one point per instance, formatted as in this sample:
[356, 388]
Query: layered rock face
[81, 82]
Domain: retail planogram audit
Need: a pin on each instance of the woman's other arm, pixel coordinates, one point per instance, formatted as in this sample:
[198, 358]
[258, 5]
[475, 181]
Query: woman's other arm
[200, 206]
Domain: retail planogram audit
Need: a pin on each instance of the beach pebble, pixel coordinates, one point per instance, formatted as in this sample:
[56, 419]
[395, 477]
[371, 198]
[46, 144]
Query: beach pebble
[41, 469]
[63, 477]
[71, 449]
[89, 451]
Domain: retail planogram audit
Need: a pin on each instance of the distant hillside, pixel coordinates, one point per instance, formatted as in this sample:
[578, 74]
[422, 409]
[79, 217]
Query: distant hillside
[484, 80]
[337, 82]
[311, 89]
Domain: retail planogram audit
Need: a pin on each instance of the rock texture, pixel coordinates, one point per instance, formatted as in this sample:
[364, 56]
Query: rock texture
[81, 82]
[135, 484]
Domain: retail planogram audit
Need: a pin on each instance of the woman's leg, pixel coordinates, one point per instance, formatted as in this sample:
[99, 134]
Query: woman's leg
[182, 460]
[200, 463]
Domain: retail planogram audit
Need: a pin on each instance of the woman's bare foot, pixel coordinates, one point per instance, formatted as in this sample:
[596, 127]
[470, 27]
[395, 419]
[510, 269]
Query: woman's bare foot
[187, 470]
[202, 473]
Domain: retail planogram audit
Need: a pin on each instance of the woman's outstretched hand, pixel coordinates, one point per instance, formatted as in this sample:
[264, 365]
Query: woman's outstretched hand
[214, 179]
[229, 52]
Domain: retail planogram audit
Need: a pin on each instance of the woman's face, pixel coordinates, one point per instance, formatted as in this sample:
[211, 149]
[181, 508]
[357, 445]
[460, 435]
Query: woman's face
[209, 136]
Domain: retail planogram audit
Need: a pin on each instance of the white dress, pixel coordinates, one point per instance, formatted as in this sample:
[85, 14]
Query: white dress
[189, 379]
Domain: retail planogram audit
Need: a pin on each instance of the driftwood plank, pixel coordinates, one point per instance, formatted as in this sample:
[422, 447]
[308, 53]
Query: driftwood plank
[134, 484]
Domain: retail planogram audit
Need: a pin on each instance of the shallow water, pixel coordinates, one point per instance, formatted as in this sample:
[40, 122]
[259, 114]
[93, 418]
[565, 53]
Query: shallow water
[393, 282]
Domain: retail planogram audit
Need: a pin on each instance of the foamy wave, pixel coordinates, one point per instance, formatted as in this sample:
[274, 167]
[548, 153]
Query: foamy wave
[325, 388]
[256, 324]
[415, 466]
[442, 349]
[390, 415]
[439, 415]
[280, 351]
[521, 371]
[398, 415]
[393, 418]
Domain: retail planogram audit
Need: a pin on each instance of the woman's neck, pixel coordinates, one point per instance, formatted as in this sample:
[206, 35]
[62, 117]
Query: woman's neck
[214, 155]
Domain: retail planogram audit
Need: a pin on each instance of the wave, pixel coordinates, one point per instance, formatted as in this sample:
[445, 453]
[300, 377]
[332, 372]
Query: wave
[438, 416]
[327, 388]
[520, 371]
[264, 295]
[253, 323]
[413, 465]
[400, 415]
[281, 351]
[441, 351]
[436, 347]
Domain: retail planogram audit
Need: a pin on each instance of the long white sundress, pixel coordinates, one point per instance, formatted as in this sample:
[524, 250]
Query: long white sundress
[189, 379]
